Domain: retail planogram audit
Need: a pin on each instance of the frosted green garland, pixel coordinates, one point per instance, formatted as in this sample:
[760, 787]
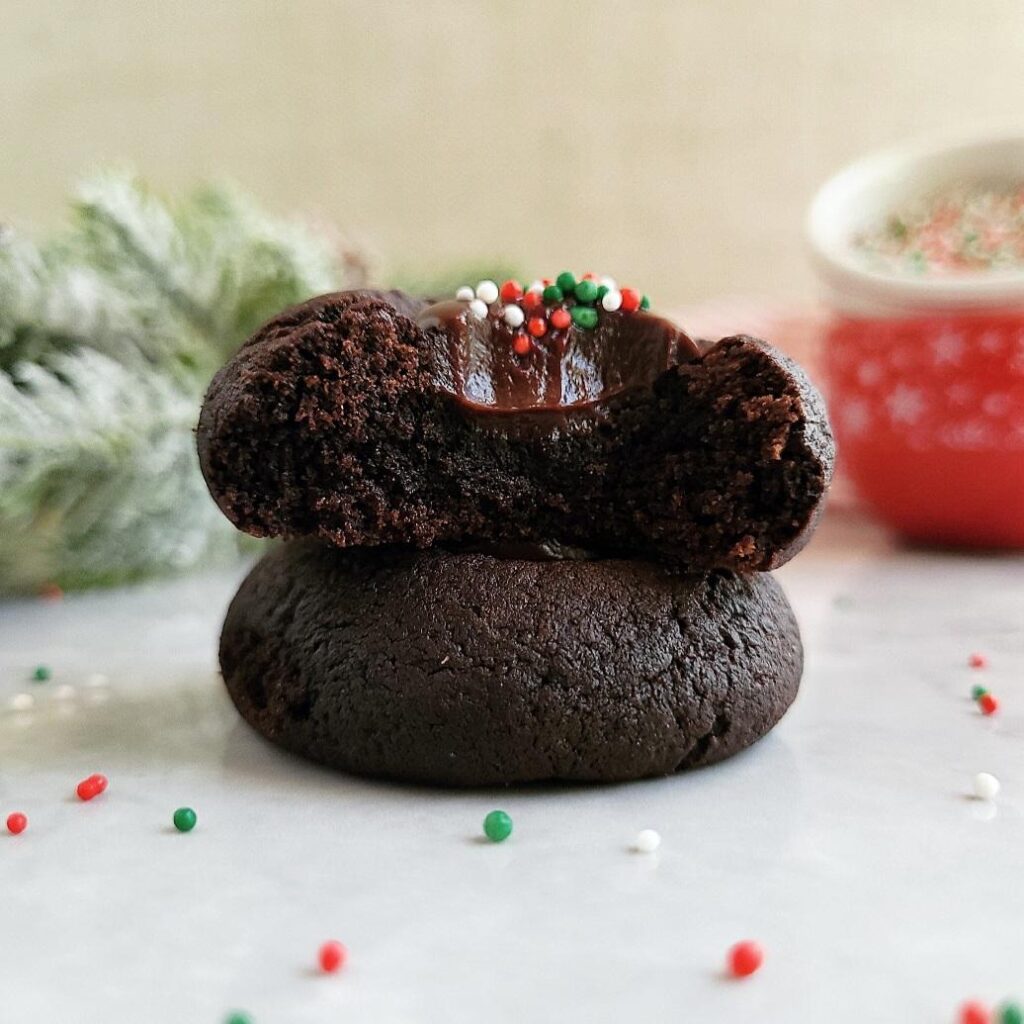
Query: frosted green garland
[109, 334]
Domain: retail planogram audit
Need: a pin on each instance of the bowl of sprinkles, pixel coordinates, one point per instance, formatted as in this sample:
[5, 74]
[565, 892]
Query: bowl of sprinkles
[921, 251]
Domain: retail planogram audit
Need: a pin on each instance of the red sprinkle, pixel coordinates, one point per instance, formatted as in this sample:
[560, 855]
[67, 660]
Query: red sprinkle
[973, 1012]
[977, 660]
[332, 956]
[745, 958]
[91, 787]
[16, 823]
[51, 592]
[988, 704]
[630, 299]
[531, 300]
[522, 345]
[511, 290]
[537, 326]
[560, 319]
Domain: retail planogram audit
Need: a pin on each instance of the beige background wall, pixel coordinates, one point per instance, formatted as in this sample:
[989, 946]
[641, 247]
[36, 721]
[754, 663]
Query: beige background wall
[671, 143]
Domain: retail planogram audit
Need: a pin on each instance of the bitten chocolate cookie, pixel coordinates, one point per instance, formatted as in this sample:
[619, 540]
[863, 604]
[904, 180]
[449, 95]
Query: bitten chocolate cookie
[368, 418]
[466, 669]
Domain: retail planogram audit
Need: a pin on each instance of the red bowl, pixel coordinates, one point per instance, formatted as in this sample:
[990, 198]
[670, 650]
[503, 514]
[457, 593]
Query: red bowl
[929, 419]
[925, 372]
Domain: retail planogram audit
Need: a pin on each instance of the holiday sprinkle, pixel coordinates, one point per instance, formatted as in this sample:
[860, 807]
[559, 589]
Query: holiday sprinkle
[550, 304]
[962, 229]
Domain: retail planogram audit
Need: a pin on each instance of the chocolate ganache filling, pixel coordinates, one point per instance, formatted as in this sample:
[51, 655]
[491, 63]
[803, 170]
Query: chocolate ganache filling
[534, 365]
[477, 361]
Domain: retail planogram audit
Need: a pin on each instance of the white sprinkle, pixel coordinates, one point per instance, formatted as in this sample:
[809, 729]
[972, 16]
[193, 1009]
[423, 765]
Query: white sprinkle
[514, 315]
[609, 283]
[487, 291]
[985, 786]
[478, 308]
[465, 294]
[23, 702]
[646, 841]
[97, 679]
[64, 692]
[536, 286]
[611, 300]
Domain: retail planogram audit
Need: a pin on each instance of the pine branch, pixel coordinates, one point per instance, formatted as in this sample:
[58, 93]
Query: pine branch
[108, 336]
[98, 476]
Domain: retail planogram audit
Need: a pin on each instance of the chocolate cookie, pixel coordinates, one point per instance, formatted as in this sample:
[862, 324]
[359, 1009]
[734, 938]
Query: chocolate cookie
[368, 418]
[466, 669]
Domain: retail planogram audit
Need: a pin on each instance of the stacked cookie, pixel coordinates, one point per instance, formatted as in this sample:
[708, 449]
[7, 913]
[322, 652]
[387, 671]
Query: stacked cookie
[528, 533]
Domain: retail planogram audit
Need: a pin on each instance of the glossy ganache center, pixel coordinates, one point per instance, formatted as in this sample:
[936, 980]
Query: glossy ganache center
[555, 346]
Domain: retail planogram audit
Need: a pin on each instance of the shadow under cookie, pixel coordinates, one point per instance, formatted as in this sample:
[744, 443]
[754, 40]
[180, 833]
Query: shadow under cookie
[465, 669]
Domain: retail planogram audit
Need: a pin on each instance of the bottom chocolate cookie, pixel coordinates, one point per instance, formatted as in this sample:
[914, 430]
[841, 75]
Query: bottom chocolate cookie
[466, 669]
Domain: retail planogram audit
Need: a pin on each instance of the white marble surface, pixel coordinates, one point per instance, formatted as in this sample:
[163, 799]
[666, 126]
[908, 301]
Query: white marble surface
[846, 842]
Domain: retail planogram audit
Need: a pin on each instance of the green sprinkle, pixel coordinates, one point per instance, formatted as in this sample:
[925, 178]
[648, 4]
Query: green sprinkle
[584, 316]
[184, 819]
[238, 1018]
[41, 673]
[645, 303]
[566, 281]
[497, 826]
[553, 293]
[977, 692]
[586, 291]
[602, 291]
[1011, 1013]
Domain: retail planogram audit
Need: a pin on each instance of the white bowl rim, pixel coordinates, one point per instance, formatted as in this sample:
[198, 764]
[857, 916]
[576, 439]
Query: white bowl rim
[860, 290]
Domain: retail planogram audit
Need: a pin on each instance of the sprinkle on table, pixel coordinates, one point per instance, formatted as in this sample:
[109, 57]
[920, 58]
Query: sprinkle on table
[184, 819]
[497, 826]
[332, 956]
[238, 1017]
[977, 692]
[744, 958]
[17, 823]
[973, 1012]
[549, 306]
[91, 787]
[988, 704]
[647, 841]
[986, 786]
[1011, 1012]
[978, 660]
[41, 674]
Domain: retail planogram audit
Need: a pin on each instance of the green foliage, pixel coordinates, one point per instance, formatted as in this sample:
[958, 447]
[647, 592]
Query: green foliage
[109, 334]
